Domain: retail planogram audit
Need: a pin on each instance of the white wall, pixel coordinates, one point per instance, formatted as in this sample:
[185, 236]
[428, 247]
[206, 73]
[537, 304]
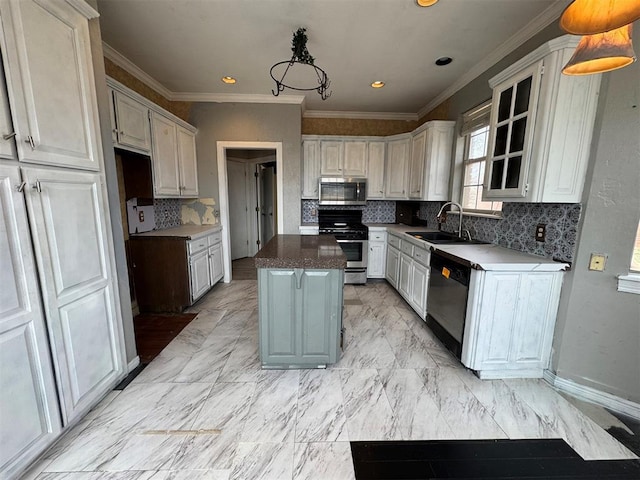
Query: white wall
[598, 330]
[237, 122]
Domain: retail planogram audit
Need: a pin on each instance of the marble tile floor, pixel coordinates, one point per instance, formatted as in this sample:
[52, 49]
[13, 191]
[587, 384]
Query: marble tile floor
[204, 409]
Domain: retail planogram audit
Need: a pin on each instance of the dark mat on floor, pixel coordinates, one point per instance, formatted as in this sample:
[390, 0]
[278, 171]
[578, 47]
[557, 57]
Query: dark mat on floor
[154, 331]
[629, 440]
[482, 459]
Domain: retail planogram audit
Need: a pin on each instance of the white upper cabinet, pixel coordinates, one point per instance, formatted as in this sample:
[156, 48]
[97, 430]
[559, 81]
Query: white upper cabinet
[7, 143]
[174, 159]
[51, 84]
[397, 168]
[416, 166]
[375, 170]
[343, 158]
[187, 162]
[131, 127]
[310, 168]
[331, 158]
[437, 160]
[540, 129]
[355, 159]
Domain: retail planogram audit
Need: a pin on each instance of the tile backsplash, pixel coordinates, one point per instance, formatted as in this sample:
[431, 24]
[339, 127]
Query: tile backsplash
[516, 228]
[168, 212]
[375, 211]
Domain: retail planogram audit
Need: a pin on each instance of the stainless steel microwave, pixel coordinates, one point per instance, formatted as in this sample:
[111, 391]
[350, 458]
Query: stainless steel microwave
[342, 191]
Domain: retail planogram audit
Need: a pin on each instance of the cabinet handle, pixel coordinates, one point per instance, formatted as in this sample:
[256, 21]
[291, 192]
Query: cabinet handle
[9, 135]
[37, 186]
[121, 132]
[20, 188]
[31, 142]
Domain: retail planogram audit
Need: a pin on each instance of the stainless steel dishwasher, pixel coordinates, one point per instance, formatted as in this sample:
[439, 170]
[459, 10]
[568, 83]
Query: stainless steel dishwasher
[447, 299]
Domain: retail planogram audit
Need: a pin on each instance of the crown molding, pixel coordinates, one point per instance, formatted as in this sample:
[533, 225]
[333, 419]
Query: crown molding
[408, 117]
[238, 98]
[84, 8]
[543, 20]
[126, 64]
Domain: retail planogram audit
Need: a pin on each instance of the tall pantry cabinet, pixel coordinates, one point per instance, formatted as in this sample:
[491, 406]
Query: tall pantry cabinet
[61, 340]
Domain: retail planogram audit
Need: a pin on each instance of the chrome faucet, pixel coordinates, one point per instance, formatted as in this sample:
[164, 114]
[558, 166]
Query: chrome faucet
[459, 209]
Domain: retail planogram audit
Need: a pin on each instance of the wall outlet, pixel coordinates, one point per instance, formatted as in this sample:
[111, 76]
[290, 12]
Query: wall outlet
[541, 232]
[597, 262]
[313, 212]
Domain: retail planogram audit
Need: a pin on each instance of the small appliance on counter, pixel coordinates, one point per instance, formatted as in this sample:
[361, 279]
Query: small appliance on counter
[140, 215]
[407, 214]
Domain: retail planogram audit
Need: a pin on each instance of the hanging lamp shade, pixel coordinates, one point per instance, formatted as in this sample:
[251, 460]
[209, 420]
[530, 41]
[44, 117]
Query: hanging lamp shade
[602, 52]
[588, 17]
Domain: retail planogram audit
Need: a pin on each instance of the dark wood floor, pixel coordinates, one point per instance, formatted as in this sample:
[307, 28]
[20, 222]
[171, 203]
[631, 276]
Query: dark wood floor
[244, 269]
[154, 331]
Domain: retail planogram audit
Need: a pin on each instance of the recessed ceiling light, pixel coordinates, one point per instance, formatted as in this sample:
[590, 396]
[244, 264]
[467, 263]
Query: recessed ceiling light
[229, 80]
[377, 84]
[443, 61]
[426, 3]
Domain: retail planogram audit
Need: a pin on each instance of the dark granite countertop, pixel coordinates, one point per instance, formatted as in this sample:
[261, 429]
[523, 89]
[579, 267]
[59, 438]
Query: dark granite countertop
[301, 251]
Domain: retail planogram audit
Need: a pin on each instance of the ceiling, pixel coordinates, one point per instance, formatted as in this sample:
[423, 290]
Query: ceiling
[184, 47]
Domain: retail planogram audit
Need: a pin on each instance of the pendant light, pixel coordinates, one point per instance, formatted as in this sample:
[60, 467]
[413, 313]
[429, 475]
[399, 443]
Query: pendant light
[588, 17]
[602, 52]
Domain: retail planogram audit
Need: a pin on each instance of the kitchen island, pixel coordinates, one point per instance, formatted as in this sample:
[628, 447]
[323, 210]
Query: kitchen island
[300, 283]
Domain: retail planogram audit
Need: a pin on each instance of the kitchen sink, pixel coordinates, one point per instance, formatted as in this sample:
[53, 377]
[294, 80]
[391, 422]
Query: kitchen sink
[440, 237]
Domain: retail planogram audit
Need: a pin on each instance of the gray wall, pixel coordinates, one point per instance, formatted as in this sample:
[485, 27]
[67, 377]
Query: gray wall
[241, 122]
[598, 332]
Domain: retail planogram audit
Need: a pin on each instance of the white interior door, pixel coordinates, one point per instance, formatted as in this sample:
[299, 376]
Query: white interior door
[238, 209]
[70, 234]
[268, 202]
[30, 418]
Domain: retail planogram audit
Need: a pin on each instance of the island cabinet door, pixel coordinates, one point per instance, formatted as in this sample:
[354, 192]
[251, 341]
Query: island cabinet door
[320, 305]
[300, 316]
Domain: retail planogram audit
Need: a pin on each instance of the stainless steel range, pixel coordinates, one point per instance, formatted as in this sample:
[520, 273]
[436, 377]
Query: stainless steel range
[352, 235]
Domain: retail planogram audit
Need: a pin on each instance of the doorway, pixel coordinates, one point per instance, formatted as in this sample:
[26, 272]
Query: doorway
[250, 191]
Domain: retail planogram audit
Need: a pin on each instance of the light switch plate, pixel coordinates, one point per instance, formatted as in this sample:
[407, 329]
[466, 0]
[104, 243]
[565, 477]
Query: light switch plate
[597, 262]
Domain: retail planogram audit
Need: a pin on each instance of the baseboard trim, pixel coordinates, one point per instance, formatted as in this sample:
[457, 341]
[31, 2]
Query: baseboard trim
[589, 394]
[133, 364]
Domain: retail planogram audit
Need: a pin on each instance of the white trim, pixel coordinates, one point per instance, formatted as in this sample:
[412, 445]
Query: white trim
[84, 8]
[629, 283]
[547, 17]
[237, 98]
[408, 117]
[133, 364]
[126, 64]
[592, 395]
[223, 192]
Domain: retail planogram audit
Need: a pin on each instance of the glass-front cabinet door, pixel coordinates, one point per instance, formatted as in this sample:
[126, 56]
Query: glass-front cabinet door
[512, 122]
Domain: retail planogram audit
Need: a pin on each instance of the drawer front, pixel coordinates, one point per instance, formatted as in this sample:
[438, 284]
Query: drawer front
[377, 236]
[394, 241]
[194, 246]
[407, 248]
[214, 238]
[421, 255]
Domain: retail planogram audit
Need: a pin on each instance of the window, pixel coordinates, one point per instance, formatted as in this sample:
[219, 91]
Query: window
[475, 129]
[635, 257]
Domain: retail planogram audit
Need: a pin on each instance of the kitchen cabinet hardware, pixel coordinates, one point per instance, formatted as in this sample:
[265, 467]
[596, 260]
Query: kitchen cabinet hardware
[37, 186]
[20, 187]
[9, 135]
[31, 142]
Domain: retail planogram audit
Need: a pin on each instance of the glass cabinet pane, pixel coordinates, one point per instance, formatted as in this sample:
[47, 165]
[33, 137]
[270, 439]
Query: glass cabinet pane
[513, 172]
[523, 90]
[518, 129]
[501, 140]
[504, 108]
[496, 174]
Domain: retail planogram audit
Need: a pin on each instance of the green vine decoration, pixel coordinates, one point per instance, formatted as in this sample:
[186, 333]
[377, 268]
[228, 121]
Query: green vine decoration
[299, 47]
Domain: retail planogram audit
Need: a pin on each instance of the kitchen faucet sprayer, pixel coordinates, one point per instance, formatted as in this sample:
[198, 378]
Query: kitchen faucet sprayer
[441, 218]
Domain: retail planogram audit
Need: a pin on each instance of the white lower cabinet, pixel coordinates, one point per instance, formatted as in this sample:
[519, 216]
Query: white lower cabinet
[199, 274]
[510, 322]
[404, 275]
[30, 419]
[377, 254]
[392, 265]
[216, 267]
[418, 289]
